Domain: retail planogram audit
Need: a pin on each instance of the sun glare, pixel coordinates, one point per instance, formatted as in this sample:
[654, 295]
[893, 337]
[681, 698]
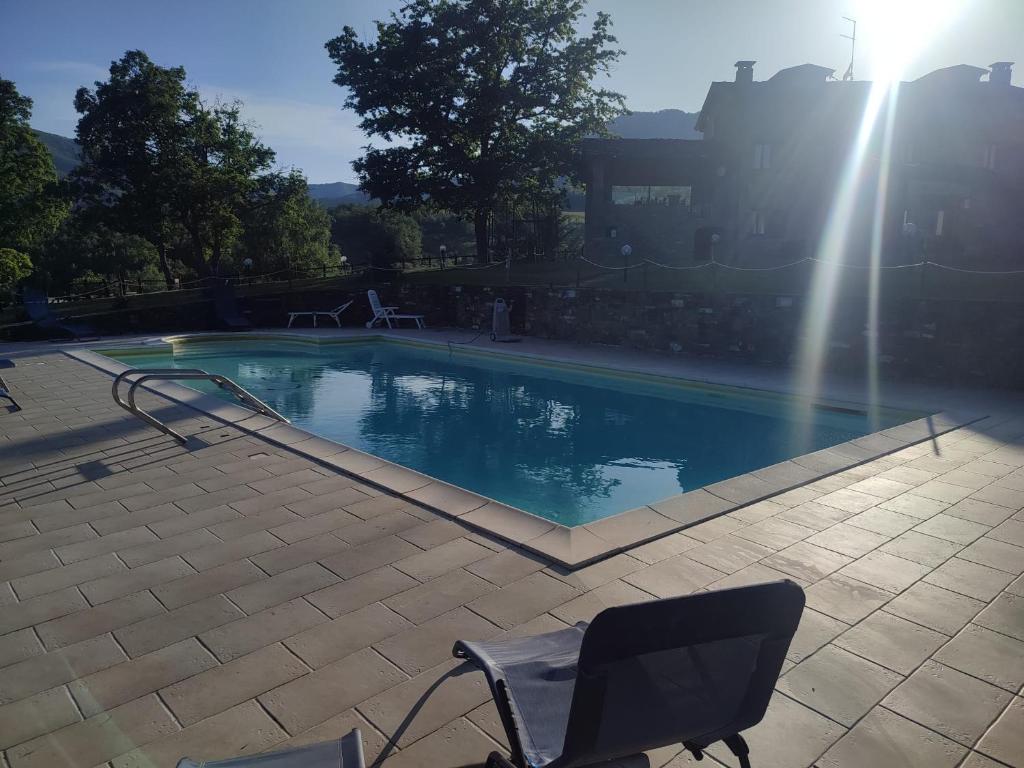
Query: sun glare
[891, 34]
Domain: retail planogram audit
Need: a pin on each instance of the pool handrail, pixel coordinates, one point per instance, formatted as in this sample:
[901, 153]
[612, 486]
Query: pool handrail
[169, 374]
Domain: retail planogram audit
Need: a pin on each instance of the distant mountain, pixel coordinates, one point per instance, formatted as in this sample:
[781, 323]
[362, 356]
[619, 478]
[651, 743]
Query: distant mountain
[664, 124]
[66, 152]
[337, 193]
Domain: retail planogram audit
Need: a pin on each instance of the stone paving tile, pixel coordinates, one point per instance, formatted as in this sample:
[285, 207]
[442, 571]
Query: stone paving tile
[597, 574]
[454, 688]
[188, 522]
[844, 598]
[995, 554]
[442, 558]
[145, 576]
[38, 673]
[18, 646]
[848, 540]
[815, 631]
[27, 565]
[247, 634]
[895, 643]
[106, 617]
[935, 608]
[168, 628]
[891, 573]
[361, 590]
[140, 676]
[677, 575]
[958, 706]
[314, 525]
[988, 655]
[62, 537]
[994, 494]
[330, 641]
[811, 514]
[588, 605]
[242, 730]
[980, 512]
[457, 743]
[162, 548]
[313, 698]
[417, 649]
[36, 715]
[952, 528]
[223, 578]
[222, 687]
[971, 579]
[367, 557]
[39, 609]
[808, 735]
[507, 566]
[774, 534]
[456, 588]
[217, 552]
[885, 738]
[914, 506]
[838, 684]
[1004, 614]
[282, 587]
[97, 739]
[1005, 739]
[69, 575]
[1010, 531]
[729, 553]
[920, 548]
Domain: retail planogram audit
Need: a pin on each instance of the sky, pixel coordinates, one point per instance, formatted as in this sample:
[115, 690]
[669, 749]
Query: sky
[270, 55]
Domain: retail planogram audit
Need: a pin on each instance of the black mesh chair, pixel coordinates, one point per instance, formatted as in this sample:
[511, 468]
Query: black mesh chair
[346, 752]
[692, 670]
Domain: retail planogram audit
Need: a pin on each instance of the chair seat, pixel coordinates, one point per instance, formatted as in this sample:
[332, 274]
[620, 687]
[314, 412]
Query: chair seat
[540, 673]
[346, 752]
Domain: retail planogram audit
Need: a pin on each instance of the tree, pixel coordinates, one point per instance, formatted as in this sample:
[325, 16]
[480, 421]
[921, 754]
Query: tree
[481, 101]
[14, 266]
[30, 206]
[285, 228]
[375, 236]
[158, 163]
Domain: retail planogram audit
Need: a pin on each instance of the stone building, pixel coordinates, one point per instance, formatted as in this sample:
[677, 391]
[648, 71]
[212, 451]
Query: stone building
[760, 186]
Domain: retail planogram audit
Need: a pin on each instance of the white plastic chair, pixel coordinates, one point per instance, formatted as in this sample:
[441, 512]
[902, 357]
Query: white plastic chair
[334, 314]
[387, 314]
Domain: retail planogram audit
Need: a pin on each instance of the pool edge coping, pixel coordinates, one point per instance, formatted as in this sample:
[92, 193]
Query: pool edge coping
[570, 547]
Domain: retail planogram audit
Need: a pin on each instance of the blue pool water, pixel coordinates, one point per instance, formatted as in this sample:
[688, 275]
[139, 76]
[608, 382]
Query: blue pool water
[567, 445]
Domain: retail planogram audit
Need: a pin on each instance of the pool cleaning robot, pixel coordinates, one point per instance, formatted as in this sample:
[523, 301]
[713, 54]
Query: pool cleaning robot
[501, 329]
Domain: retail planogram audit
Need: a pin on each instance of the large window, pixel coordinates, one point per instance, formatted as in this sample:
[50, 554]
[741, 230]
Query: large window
[651, 195]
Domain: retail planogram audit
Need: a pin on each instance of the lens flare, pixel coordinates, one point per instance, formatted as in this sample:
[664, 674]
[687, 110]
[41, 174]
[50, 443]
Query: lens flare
[894, 33]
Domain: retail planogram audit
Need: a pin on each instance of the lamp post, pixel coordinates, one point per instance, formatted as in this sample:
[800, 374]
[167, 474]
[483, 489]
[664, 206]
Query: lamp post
[626, 251]
[247, 268]
[442, 252]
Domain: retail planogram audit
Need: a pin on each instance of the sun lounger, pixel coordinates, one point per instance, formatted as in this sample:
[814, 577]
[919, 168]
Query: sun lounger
[689, 670]
[387, 314]
[334, 314]
[225, 307]
[38, 307]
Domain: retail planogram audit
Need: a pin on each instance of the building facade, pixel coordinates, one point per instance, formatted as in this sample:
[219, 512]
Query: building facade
[761, 187]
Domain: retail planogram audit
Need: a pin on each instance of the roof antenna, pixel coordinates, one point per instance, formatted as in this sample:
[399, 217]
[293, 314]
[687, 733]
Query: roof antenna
[848, 75]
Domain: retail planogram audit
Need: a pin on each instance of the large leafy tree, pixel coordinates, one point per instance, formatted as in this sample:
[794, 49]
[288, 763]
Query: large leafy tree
[284, 227]
[368, 235]
[161, 164]
[30, 207]
[480, 101]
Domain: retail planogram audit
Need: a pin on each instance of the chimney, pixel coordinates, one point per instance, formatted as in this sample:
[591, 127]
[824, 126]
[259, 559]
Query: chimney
[1001, 72]
[745, 71]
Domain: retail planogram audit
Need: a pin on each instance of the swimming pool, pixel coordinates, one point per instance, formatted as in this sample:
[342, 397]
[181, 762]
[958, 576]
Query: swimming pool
[570, 445]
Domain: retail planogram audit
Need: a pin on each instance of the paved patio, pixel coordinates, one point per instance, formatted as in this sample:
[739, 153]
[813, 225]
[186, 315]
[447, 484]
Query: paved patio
[232, 596]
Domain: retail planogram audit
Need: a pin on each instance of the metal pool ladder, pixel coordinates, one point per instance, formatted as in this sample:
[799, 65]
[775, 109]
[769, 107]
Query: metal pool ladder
[167, 374]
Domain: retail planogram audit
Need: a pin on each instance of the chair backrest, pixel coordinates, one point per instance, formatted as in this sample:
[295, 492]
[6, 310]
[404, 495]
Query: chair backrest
[692, 669]
[375, 304]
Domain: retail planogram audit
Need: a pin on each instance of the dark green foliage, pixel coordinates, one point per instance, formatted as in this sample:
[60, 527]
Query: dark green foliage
[285, 228]
[375, 236]
[30, 204]
[486, 101]
[161, 164]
